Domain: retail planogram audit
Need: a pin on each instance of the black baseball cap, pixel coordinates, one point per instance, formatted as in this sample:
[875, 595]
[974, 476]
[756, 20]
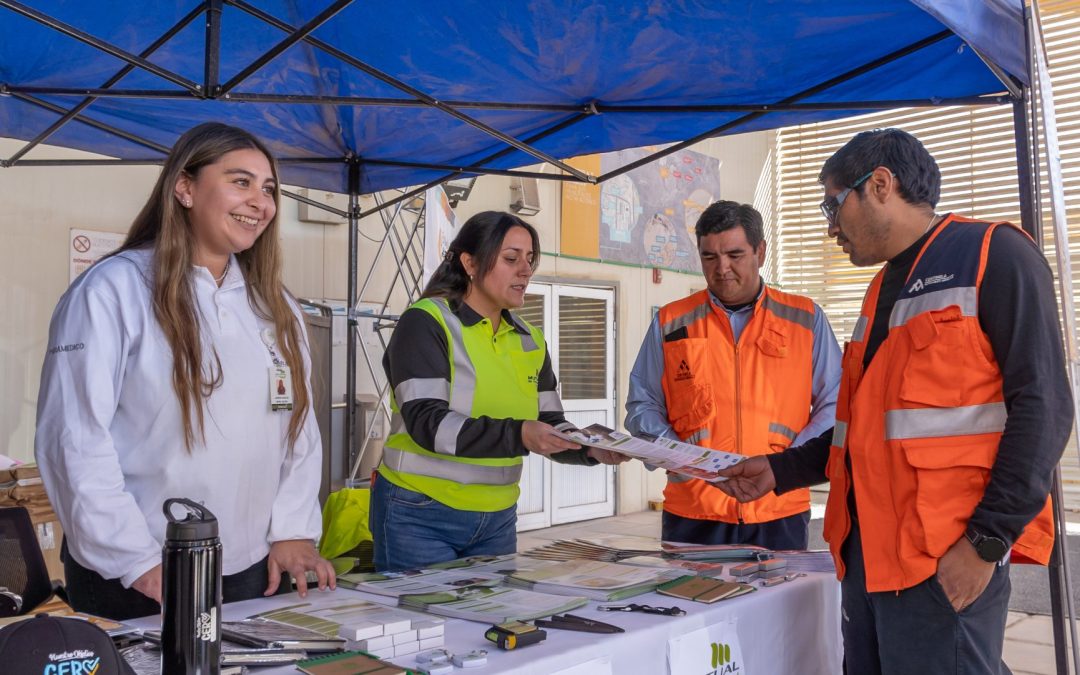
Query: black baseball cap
[50, 645]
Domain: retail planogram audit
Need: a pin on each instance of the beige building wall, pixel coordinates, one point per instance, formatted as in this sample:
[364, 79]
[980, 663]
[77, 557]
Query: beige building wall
[41, 205]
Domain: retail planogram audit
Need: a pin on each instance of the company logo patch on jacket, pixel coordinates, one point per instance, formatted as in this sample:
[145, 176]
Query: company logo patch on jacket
[922, 284]
[684, 372]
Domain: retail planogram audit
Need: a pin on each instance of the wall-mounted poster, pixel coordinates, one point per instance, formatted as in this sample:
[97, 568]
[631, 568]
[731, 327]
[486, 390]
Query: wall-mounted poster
[647, 216]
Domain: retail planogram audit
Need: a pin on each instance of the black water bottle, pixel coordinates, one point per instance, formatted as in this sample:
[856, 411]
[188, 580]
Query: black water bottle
[191, 592]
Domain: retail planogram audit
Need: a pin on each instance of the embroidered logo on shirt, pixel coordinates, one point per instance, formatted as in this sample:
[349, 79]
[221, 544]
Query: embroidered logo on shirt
[921, 284]
[534, 379]
[684, 372]
[78, 346]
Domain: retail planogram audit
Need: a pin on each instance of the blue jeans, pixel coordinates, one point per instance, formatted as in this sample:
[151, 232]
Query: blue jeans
[412, 530]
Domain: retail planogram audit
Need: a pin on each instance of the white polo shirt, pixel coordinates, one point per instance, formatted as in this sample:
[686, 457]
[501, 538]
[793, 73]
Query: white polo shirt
[110, 441]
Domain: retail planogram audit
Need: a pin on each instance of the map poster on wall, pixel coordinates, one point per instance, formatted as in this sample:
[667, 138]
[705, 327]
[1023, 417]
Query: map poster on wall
[86, 247]
[647, 215]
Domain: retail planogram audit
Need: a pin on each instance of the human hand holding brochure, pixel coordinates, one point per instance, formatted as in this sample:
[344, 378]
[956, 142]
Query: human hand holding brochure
[676, 456]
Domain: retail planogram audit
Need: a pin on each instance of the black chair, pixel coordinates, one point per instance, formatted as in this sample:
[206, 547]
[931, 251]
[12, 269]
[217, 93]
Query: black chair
[24, 578]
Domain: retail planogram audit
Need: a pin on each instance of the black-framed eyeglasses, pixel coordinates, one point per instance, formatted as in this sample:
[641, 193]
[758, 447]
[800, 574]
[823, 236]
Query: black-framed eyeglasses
[831, 205]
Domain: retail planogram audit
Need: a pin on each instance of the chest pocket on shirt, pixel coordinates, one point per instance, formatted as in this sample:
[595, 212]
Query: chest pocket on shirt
[690, 396]
[773, 343]
[941, 345]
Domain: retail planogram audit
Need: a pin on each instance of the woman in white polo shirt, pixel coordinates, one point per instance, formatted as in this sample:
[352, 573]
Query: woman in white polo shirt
[178, 367]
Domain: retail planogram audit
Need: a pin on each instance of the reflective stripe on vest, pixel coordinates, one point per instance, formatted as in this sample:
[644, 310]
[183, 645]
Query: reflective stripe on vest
[420, 388]
[697, 437]
[459, 472]
[795, 315]
[839, 434]
[902, 424]
[777, 428]
[859, 334]
[550, 401]
[696, 314]
[965, 297]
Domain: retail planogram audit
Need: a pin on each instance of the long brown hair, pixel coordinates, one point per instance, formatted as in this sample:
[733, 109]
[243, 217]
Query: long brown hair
[163, 225]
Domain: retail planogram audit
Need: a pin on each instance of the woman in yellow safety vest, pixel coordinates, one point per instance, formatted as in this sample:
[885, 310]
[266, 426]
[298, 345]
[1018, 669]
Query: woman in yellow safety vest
[473, 394]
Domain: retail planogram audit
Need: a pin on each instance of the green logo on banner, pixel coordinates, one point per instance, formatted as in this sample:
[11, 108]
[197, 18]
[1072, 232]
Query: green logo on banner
[721, 659]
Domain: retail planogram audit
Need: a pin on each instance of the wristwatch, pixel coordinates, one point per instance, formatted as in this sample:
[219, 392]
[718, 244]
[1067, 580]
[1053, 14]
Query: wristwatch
[990, 549]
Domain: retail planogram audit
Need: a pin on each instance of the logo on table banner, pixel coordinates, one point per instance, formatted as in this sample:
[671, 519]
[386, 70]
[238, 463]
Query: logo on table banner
[78, 662]
[722, 662]
[206, 626]
[684, 372]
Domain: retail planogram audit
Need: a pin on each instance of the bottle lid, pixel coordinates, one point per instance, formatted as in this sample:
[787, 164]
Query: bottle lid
[198, 523]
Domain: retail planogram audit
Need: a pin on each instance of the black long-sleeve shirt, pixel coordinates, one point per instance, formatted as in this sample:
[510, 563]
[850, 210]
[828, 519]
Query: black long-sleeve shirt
[418, 350]
[1017, 311]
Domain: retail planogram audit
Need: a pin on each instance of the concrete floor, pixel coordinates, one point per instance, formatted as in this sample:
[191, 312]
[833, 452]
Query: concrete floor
[1028, 637]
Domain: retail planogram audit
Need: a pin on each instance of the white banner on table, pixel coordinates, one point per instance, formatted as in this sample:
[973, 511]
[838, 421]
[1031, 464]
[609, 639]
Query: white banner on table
[709, 651]
[440, 228]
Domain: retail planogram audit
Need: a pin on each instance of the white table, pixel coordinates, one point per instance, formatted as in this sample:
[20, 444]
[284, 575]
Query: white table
[790, 628]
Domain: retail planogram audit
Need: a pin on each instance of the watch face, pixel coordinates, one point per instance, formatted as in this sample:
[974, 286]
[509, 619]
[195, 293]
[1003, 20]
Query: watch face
[991, 549]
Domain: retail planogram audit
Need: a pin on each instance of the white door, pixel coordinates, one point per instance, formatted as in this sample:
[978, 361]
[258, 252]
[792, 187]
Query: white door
[579, 326]
[534, 505]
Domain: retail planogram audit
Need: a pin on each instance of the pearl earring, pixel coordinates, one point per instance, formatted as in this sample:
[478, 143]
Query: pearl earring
[187, 203]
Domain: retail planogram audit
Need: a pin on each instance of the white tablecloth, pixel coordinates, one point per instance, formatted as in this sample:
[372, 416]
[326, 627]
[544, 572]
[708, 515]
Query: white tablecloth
[790, 628]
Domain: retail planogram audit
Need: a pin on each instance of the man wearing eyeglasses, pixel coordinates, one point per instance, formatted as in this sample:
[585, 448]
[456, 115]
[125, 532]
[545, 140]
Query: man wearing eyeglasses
[953, 410]
[740, 367]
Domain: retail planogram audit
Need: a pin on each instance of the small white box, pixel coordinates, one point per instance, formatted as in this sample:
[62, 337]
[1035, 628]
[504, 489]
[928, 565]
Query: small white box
[403, 637]
[394, 627]
[431, 642]
[360, 631]
[406, 648]
[428, 629]
[372, 644]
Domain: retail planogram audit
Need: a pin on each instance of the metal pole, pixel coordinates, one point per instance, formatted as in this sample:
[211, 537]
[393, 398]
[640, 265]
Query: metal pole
[350, 310]
[1041, 107]
[1026, 177]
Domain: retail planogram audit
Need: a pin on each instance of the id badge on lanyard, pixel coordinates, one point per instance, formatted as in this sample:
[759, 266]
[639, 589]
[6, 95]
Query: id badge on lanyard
[281, 391]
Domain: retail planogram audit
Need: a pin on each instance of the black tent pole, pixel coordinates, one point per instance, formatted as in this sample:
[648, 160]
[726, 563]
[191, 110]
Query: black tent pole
[1028, 221]
[350, 311]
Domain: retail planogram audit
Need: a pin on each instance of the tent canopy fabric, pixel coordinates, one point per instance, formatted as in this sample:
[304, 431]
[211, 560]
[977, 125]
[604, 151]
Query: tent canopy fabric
[568, 77]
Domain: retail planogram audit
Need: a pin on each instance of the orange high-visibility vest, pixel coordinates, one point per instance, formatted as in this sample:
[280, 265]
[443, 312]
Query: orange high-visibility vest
[922, 424]
[752, 397]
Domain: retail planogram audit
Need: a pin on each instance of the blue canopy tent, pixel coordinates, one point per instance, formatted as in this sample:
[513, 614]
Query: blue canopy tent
[362, 97]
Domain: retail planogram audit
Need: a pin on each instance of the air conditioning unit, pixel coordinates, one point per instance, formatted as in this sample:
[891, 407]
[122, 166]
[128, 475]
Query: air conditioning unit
[307, 213]
[525, 196]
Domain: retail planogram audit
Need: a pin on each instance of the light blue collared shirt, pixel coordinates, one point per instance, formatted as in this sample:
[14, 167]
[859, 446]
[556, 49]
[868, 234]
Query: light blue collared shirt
[646, 406]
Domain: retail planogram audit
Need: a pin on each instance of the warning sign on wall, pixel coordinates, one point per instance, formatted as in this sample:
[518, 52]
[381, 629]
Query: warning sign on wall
[86, 247]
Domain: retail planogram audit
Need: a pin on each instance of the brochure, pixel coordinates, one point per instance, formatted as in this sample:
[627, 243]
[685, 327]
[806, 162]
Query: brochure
[396, 584]
[678, 457]
[592, 579]
[492, 605]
